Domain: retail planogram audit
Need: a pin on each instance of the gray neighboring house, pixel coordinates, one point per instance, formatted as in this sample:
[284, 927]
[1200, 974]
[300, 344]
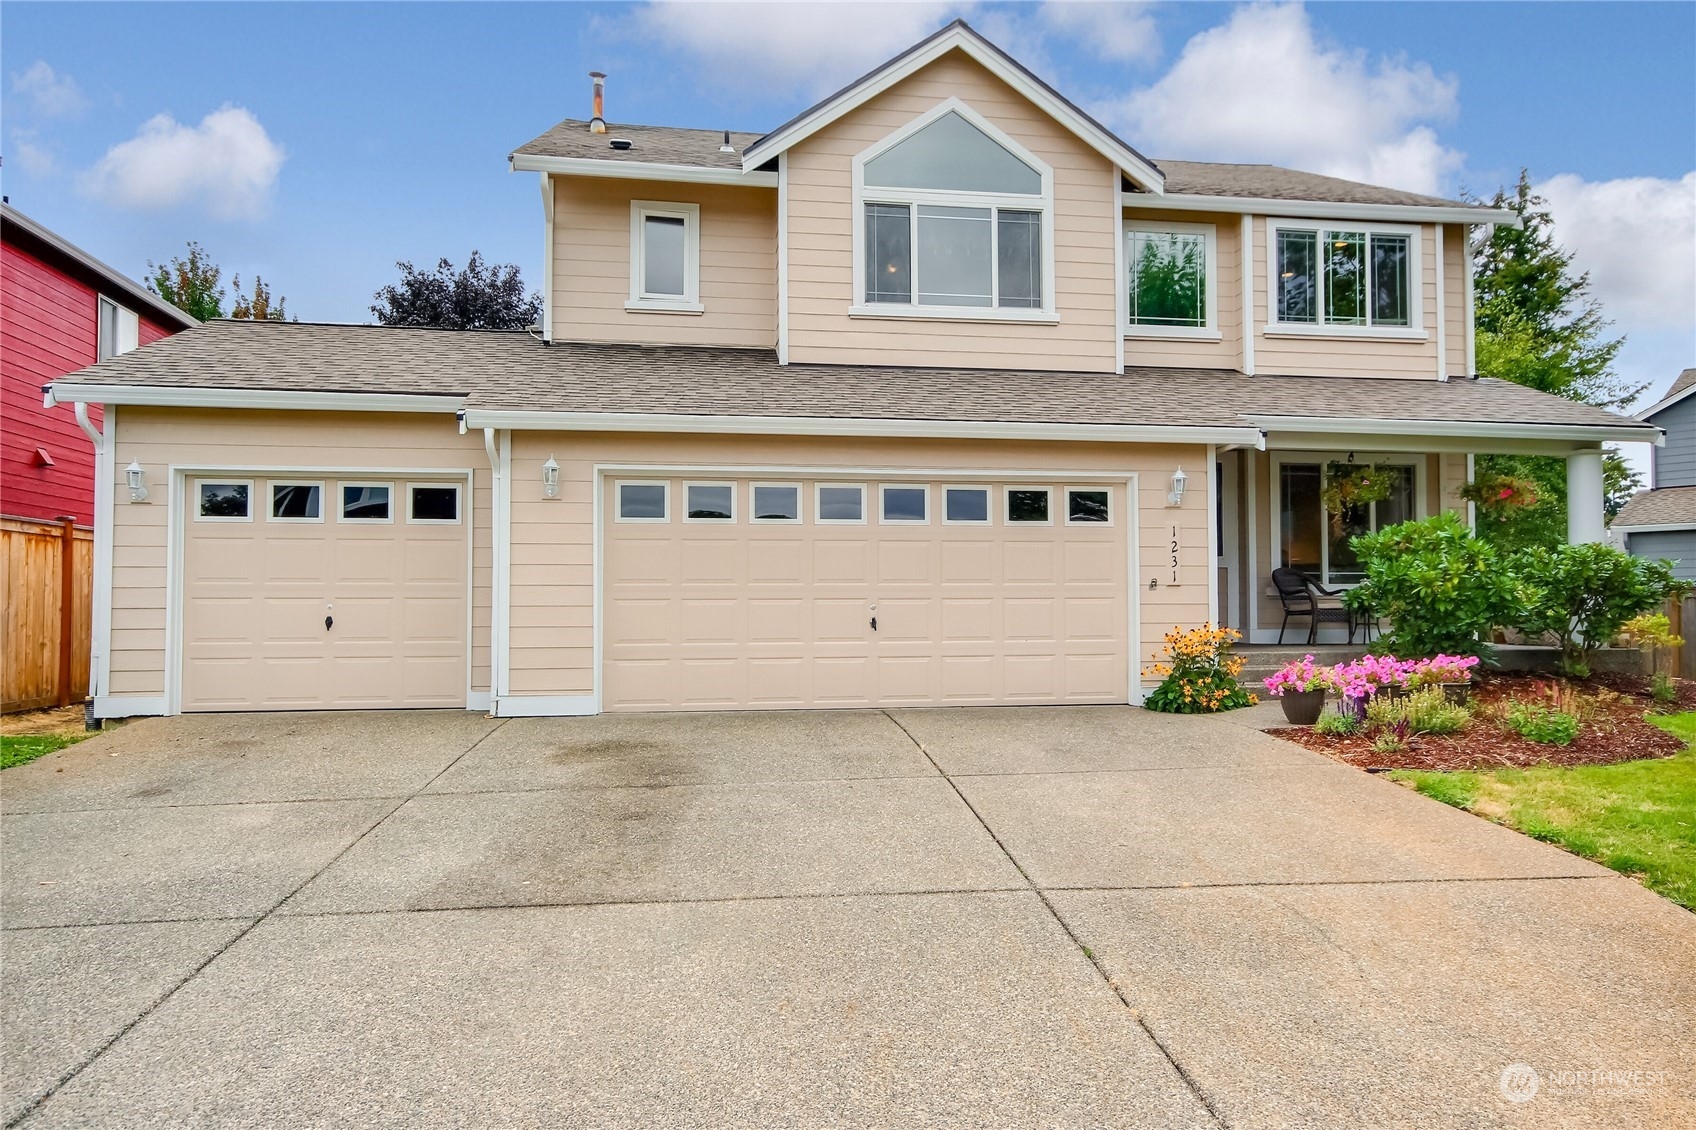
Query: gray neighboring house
[1661, 522]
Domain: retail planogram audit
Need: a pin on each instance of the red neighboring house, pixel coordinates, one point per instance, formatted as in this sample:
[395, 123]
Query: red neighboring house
[61, 310]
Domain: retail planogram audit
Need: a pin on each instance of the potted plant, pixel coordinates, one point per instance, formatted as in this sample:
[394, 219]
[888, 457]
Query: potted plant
[1451, 672]
[1300, 686]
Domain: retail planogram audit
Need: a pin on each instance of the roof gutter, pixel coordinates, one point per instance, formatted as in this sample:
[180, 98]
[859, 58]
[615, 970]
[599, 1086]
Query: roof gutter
[859, 427]
[638, 170]
[1462, 429]
[1323, 209]
[159, 396]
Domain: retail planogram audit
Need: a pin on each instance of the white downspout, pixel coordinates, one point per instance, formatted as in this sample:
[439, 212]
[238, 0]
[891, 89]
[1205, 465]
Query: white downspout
[100, 618]
[500, 576]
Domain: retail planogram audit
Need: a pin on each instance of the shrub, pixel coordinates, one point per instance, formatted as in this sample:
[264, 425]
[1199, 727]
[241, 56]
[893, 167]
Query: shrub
[1442, 588]
[1200, 673]
[1337, 723]
[1661, 688]
[1425, 711]
[1650, 631]
[1392, 740]
[1582, 595]
[1536, 722]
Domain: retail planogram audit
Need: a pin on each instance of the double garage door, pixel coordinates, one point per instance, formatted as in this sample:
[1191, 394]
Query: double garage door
[804, 592]
[324, 593]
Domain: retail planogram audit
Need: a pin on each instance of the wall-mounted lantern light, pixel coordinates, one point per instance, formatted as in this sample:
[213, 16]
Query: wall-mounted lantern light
[1175, 497]
[550, 478]
[137, 478]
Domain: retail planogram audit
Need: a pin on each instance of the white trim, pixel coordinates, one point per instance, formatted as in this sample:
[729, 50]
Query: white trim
[341, 502]
[1247, 320]
[1041, 202]
[1170, 333]
[1442, 311]
[683, 511]
[1121, 298]
[549, 251]
[818, 504]
[988, 504]
[1470, 429]
[1471, 307]
[882, 517]
[845, 426]
[1471, 476]
[546, 705]
[1215, 487]
[689, 302]
[1230, 550]
[480, 702]
[1209, 233]
[458, 505]
[1415, 328]
[1007, 504]
[497, 446]
[195, 514]
[1660, 528]
[1066, 501]
[126, 324]
[271, 486]
[800, 504]
[618, 500]
[783, 258]
[1250, 581]
[1134, 692]
[166, 396]
[1323, 209]
[639, 170]
[108, 706]
[105, 472]
[962, 38]
[1666, 402]
[1416, 460]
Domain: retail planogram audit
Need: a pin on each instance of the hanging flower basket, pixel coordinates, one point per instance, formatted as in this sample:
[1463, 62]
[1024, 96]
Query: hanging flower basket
[1347, 486]
[1498, 496]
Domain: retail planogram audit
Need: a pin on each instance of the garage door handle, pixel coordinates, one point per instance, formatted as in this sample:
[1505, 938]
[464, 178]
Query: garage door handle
[874, 623]
[328, 620]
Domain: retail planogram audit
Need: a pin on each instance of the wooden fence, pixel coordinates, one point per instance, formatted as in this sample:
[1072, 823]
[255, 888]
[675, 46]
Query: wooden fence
[1680, 662]
[47, 576]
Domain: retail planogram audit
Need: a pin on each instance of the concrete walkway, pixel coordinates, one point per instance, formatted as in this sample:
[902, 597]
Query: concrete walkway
[1059, 917]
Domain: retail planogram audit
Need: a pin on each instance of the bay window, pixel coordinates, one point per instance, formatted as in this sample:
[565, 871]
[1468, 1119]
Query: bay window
[1315, 540]
[1168, 285]
[1344, 276]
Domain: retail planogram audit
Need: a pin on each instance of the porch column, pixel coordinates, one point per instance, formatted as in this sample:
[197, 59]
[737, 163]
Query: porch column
[1584, 497]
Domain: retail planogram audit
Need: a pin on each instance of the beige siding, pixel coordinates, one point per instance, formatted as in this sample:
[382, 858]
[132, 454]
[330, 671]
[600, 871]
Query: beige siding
[158, 438]
[1456, 264]
[823, 278]
[738, 283]
[552, 540]
[1227, 352]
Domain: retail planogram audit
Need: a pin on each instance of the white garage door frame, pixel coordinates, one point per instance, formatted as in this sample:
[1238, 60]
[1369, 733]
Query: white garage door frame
[1133, 522]
[176, 524]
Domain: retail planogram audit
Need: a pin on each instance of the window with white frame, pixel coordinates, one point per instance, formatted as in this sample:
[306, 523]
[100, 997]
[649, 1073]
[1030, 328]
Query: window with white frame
[1355, 277]
[952, 216]
[1315, 540]
[1169, 285]
[665, 257]
[644, 502]
[119, 330]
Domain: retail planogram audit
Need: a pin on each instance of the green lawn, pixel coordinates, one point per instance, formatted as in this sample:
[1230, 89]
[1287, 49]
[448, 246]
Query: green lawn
[1637, 817]
[19, 749]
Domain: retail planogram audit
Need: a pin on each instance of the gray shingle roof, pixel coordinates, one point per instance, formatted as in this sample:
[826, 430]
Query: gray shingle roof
[1663, 506]
[1680, 385]
[514, 372]
[1207, 178]
[660, 145]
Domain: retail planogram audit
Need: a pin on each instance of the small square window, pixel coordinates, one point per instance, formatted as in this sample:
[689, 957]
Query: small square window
[297, 502]
[227, 502]
[1088, 506]
[665, 255]
[777, 502]
[965, 505]
[643, 502]
[842, 504]
[432, 502]
[709, 502]
[906, 504]
[1028, 505]
[367, 502]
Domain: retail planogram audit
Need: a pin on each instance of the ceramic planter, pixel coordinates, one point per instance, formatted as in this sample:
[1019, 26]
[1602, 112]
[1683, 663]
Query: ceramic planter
[1302, 708]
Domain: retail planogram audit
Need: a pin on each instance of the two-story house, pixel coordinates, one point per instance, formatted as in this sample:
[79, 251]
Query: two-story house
[1661, 522]
[938, 393]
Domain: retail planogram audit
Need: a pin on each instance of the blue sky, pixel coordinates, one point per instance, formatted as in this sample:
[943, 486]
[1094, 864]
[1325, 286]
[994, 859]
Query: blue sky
[316, 144]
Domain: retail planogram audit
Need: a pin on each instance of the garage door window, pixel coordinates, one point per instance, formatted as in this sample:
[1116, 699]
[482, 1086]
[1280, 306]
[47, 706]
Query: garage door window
[841, 504]
[965, 506]
[297, 502]
[777, 502]
[367, 502]
[1084, 507]
[224, 502]
[709, 502]
[433, 503]
[643, 502]
[906, 504]
[1028, 506]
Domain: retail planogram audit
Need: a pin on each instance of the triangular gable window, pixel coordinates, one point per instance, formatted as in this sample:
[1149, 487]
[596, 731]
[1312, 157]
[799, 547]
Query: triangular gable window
[951, 154]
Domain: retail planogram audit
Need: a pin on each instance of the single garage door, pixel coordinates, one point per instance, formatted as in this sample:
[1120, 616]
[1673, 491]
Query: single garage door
[324, 593]
[783, 593]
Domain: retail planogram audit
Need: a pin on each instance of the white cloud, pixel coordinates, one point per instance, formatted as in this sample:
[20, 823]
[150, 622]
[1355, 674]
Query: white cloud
[50, 94]
[1108, 29]
[227, 165]
[1262, 88]
[1637, 238]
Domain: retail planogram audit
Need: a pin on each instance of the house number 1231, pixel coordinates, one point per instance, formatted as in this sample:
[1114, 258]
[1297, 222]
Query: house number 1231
[1174, 579]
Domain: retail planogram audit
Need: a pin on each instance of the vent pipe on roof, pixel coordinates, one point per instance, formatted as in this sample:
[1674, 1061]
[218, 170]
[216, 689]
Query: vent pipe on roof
[598, 124]
[725, 146]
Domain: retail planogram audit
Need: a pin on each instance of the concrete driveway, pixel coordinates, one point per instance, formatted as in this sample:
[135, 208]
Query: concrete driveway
[1066, 917]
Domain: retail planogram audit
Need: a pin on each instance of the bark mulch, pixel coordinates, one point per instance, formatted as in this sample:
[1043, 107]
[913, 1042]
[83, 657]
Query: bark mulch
[1614, 731]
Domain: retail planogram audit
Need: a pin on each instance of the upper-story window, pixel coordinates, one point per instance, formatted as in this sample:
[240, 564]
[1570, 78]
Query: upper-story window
[665, 257]
[1169, 280]
[953, 220]
[1345, 278]
[119, 330]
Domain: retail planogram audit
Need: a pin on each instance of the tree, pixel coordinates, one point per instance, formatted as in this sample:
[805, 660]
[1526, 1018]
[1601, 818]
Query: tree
[1538, 325]
[481, 297]
[258, 308]
[191, 285]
